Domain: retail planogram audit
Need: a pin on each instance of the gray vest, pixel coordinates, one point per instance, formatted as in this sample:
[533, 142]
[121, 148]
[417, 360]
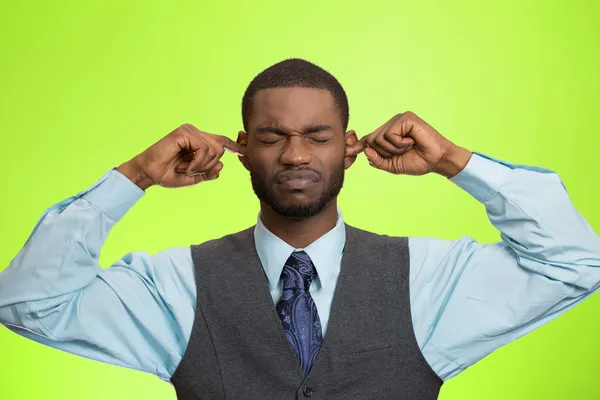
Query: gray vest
[237, 348]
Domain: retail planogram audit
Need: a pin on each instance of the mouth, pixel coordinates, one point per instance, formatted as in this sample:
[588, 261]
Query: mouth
[295, 180]
[297, 184]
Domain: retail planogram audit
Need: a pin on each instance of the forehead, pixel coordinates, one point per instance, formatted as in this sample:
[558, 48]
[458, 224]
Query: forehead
[294, 107]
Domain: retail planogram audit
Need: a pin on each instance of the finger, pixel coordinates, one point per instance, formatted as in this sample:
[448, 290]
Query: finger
[199, 176]
[376, 160]
[186, 159]
[230, 144]
[189, 180]
[209, 164]
[214, 171]
[373, 142]
[380, 151]
[394, 139]
[401, 142]
[203, 159]
[203, 151]
[234, 152]
[356, 148]
[369, 139]
[213, 156]
[220, 140]
[388, 147]
[410, 125]
[384, 127]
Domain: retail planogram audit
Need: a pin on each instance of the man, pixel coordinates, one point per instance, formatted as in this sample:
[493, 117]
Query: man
[302, 304]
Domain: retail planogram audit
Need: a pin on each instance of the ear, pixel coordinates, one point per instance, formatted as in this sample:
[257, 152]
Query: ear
[351, 139]
[242, 140]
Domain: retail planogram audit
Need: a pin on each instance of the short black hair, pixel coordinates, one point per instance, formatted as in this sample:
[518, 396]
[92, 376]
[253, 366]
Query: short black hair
[296, 72]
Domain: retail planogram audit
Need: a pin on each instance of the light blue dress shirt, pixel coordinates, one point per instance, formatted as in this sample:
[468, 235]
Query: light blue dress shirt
[467, 298]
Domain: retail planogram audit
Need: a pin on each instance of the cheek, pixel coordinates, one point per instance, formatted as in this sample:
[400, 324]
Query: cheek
[259, 163]
[334, 158]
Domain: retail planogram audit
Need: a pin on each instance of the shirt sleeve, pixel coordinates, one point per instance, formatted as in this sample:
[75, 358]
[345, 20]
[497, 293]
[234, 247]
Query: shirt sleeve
[136, 314]
[469, 299]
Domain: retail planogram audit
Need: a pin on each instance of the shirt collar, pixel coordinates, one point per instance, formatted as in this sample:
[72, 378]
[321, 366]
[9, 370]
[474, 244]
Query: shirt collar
[325, 252]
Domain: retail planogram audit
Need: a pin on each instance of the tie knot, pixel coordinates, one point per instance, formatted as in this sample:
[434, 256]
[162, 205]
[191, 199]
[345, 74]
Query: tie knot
[298, 271]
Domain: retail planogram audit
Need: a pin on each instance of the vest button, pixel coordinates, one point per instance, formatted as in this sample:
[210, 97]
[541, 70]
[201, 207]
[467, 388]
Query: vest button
[308, 391]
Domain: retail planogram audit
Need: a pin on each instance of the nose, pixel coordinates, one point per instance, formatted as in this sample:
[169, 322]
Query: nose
[296, 151]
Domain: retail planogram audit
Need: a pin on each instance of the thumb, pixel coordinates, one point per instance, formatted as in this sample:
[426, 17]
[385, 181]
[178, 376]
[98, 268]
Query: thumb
[374, 158]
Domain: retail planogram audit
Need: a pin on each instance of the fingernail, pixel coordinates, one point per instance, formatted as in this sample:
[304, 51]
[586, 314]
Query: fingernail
[233, 151]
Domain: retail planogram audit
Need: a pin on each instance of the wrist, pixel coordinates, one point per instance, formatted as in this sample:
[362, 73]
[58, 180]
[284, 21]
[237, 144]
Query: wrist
[456, 160]
[133, 171]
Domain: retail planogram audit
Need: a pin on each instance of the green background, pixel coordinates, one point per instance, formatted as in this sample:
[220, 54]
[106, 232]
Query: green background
[87, 85]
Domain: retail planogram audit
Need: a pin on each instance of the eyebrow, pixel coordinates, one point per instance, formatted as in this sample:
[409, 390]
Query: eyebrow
[312, 129]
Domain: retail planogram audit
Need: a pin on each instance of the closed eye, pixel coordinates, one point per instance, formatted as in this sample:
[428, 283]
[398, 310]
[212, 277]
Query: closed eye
[318, 139]
[269, 134]
[269, 139]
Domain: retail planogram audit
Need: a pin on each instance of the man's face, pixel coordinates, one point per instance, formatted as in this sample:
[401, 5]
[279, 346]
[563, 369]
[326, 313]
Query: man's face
[295, 150]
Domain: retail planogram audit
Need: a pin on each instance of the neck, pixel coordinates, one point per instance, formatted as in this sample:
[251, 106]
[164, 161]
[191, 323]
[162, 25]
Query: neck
[299, 233]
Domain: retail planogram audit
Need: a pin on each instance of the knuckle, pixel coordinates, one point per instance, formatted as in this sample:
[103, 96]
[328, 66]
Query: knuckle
[393, 135]
[392, 132]
[200, 152]
[182, 128]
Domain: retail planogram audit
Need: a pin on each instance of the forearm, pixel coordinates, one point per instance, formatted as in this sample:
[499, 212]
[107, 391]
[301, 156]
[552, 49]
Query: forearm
[487, 295]
[532, 210]
[61, 255]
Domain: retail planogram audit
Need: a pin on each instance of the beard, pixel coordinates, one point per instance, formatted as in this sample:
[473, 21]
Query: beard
[264, 191]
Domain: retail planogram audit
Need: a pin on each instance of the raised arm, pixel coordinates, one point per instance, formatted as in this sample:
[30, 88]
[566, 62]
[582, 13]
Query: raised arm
[138, 312]
[55, 292]
[469, 298]
[472, 298]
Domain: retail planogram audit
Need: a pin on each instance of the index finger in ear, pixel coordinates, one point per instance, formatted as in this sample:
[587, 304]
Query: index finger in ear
[356, 148]
[230, 145]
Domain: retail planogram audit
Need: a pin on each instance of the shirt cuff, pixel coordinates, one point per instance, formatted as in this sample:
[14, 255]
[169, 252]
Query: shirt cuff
[114, 194]
[482, 177]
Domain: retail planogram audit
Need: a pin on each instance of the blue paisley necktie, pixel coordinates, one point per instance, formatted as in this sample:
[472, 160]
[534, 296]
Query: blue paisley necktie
[297, 309]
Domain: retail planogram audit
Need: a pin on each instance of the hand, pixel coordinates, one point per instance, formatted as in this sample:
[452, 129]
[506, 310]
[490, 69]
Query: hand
[184, 157]
[408, 145]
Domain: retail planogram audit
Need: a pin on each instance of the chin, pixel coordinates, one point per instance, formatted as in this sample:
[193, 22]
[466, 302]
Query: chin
[299, 210]
[297, 204]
